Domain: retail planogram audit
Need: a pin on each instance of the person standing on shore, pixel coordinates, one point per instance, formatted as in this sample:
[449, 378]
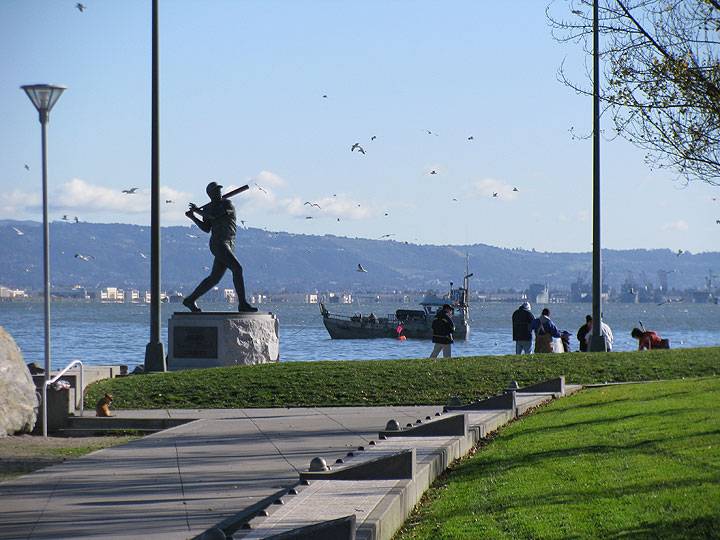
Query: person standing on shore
[605, 332]
[218, 219]
[583, 332]
[522, 318]
[545, 330]
[443, 328]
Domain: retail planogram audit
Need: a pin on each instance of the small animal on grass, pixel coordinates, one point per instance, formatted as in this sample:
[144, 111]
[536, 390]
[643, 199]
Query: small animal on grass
[103, 405]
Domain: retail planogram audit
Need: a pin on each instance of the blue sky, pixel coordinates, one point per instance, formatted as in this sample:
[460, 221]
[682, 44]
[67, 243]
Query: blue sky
[242, 85]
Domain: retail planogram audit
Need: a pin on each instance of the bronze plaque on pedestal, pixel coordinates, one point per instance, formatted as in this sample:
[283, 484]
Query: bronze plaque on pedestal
[195, 342]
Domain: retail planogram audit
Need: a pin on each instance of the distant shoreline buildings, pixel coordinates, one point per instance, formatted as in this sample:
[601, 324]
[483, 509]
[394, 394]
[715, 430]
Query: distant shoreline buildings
[631, 291]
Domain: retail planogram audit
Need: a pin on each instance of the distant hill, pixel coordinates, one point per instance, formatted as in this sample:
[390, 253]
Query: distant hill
[119, 255]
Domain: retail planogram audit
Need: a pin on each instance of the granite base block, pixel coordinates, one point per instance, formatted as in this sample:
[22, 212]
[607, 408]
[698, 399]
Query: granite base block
[215, 339]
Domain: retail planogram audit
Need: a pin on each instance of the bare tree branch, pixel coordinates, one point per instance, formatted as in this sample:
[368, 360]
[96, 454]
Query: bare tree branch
[661, 76]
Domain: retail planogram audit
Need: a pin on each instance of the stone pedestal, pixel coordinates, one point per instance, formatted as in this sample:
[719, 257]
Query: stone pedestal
[222, 338]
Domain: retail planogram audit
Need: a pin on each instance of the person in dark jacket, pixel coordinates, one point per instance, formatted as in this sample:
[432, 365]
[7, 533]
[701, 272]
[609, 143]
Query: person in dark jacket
[443, 328]
[582, 333]
[522, 318]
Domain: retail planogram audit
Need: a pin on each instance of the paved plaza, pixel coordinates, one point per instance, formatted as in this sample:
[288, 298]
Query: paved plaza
[179, 482]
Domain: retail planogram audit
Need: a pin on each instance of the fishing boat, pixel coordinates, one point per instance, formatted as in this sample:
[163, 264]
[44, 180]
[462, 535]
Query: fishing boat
[410, 323]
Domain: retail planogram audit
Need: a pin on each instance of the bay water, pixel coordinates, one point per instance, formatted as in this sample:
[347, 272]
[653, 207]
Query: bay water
[110, 334]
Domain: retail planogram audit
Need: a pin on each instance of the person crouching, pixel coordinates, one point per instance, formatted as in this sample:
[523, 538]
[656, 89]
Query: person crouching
[443, 328]
[648, 340]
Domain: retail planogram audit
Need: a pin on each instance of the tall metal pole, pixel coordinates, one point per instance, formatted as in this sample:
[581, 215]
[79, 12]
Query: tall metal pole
[46, 248]
[154, 351]
[597, 342]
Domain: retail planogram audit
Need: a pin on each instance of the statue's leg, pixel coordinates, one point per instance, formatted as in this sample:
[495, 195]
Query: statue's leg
[216, 274]
[228, 257]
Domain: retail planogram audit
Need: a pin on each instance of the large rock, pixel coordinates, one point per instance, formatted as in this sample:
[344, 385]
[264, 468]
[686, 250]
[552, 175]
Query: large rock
[212, 339]
[18, 401]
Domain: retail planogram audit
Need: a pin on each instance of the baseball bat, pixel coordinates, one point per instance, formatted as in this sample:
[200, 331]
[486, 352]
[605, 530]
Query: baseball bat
[229, 194]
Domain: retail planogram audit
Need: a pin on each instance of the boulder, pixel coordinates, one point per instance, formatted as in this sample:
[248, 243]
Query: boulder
[18, 400]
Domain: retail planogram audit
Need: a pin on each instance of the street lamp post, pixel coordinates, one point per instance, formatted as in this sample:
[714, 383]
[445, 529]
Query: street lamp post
[44, 97]
[154, 350]
[597, 341]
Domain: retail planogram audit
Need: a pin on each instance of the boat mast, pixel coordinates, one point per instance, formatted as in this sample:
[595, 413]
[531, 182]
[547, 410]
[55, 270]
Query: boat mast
[466, 281]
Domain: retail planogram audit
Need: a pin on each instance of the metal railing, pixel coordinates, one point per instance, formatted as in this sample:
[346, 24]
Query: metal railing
[54, 380]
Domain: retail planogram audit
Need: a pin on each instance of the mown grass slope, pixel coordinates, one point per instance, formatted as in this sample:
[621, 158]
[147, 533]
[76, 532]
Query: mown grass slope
[391, 382]
[639, 461]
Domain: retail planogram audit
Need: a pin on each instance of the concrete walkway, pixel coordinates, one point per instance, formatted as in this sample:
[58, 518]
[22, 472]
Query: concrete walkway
[182, 481]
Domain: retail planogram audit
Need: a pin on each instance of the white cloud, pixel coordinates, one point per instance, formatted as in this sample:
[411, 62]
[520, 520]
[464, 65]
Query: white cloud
[487, 187]
[267, 178]
[83, 198]
[258, 197]
[340, 206]
[680, 226]
[79, 195]
[17, 204]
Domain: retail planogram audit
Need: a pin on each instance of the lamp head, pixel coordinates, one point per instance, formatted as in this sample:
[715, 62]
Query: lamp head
[44, 97]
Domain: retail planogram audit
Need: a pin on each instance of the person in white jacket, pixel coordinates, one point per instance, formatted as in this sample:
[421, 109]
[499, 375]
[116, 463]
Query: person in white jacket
[605, 331]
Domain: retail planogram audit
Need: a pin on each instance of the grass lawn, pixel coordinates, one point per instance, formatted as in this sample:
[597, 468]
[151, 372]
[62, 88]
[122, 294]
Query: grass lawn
[22, 454]
[639, 461]
[390, 382]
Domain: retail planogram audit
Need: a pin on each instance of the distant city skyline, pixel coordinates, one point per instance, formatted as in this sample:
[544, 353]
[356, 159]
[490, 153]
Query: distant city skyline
[455, 107]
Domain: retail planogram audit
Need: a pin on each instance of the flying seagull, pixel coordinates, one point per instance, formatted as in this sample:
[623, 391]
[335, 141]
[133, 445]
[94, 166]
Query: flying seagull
[373, 137]
[679, 252]
[142, 255]
[308, 217]
[27, 167]
[387, 213]
[360, 268]
[495, 194]
[18, 231]
[65, 217]
[717, 221]
[261, 189]
[325, 96]
[433, 171]
[515, 189]
[80, 7]
[130, 191]
[83, 257]
[308, 203]
[359, 148]
[168, 201]
[385, 236]
[430, 132]
[190, 235]
[471, 138]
